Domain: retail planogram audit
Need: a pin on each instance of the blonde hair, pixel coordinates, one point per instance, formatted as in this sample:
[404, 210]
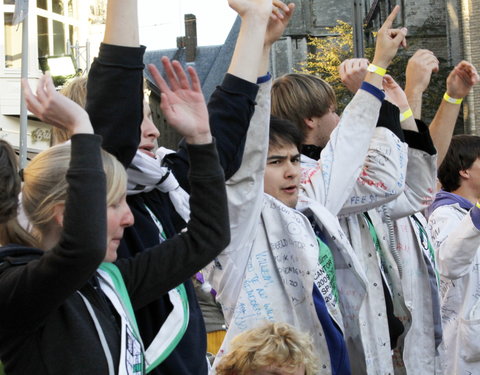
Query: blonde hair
[75, 90]
[296, 97]
[272, 344]
[10, 229]
[45, 184]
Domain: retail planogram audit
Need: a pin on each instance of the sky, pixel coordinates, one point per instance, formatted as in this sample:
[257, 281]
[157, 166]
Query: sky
[161, 21]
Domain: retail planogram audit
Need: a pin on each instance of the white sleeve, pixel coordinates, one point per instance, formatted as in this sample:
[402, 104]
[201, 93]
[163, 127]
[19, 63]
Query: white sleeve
[456, 241]
[332, 180]
[420, 185]
[382, 178]
[245, 201]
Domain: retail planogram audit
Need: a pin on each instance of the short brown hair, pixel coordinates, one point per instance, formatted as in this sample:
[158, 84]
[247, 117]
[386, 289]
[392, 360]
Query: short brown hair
[296, 97]
[277, 344]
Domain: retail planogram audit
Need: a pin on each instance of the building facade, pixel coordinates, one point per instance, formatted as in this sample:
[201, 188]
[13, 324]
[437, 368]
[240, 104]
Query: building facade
[449, 28]
[57, 32]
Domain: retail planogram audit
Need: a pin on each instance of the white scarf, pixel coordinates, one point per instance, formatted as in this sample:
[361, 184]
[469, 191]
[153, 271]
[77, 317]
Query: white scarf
[146, 173]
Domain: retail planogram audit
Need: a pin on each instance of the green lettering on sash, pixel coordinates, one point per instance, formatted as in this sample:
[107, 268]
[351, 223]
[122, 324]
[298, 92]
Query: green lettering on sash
[325, 258]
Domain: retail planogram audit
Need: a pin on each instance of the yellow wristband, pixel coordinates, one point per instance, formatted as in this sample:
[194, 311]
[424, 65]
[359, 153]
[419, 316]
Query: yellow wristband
[407, 114]
[447, 98]
[377, 70]
[477, 204]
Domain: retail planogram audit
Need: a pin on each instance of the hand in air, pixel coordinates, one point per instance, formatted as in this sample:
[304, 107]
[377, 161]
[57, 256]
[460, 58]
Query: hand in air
[389, 40]
[182, 102]
[394, 93]
[352, 73]
[419, 70]
[461, 80]
[279, 19]
[54, 108]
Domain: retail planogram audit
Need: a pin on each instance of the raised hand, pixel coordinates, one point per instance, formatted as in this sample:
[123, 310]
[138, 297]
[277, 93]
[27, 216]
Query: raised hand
[54, 108]
[389, 40]
[419, 70]
[394, 93]
[281, 15]
[352, 73]
[461, 80]
[183, 103]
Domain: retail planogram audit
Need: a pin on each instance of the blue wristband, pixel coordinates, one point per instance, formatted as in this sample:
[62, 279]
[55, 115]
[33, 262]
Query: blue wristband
[267, 77]
[376, 92]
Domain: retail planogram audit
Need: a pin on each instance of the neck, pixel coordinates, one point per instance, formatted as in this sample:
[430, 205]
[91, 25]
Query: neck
[467, 193]
[50, 239]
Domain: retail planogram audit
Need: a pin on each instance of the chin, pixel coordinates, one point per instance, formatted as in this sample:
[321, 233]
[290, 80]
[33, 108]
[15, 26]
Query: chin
[110, 258]
[111, 255]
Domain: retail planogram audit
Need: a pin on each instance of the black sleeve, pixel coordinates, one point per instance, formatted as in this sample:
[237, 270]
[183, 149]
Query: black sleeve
[154, 272]
[389, 118]
[230, 110]
[420, 140]
[29, 293]
[115, 99]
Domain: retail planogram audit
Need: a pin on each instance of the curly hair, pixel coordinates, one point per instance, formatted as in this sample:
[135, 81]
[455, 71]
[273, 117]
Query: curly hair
[272, 344]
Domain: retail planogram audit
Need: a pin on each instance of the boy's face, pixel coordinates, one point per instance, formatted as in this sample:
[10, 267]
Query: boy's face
[471, 177]
[282, 173]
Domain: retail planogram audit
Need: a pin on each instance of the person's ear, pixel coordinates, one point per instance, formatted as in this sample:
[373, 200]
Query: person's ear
[310, 122]
[464, 174]
[58, 211]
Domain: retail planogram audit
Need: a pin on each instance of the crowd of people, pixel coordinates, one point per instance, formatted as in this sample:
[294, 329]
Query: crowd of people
[323, 241]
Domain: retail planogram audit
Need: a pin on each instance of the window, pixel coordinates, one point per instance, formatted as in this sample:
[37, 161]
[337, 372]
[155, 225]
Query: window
[42, 4]
[57, 6]
[13, 43]
[43, 39]
[56, 26]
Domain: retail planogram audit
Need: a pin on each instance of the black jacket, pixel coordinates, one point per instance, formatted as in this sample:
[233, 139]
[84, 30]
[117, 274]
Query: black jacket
[116, 77]
[45, 327]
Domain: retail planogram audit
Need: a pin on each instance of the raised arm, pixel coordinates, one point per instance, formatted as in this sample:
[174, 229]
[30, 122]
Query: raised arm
[115, 82]
[383, 173]
[417, 77]
[232, 104]
[71, 262]
[421, 167]
[341, 160]
[459, 83]
[175, 260]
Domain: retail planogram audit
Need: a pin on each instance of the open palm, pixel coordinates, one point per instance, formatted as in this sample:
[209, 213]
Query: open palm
[182, 102]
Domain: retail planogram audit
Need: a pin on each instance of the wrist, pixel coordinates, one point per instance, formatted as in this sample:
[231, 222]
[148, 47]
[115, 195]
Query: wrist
[381, 63]
[372, 68]
[405, 113]
[413, 90]
[256, 17]
[451, 99]
[199, 139]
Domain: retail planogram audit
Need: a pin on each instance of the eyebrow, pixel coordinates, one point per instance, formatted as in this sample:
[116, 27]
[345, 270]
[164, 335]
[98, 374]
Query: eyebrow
[282, 157]
[276, 157]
